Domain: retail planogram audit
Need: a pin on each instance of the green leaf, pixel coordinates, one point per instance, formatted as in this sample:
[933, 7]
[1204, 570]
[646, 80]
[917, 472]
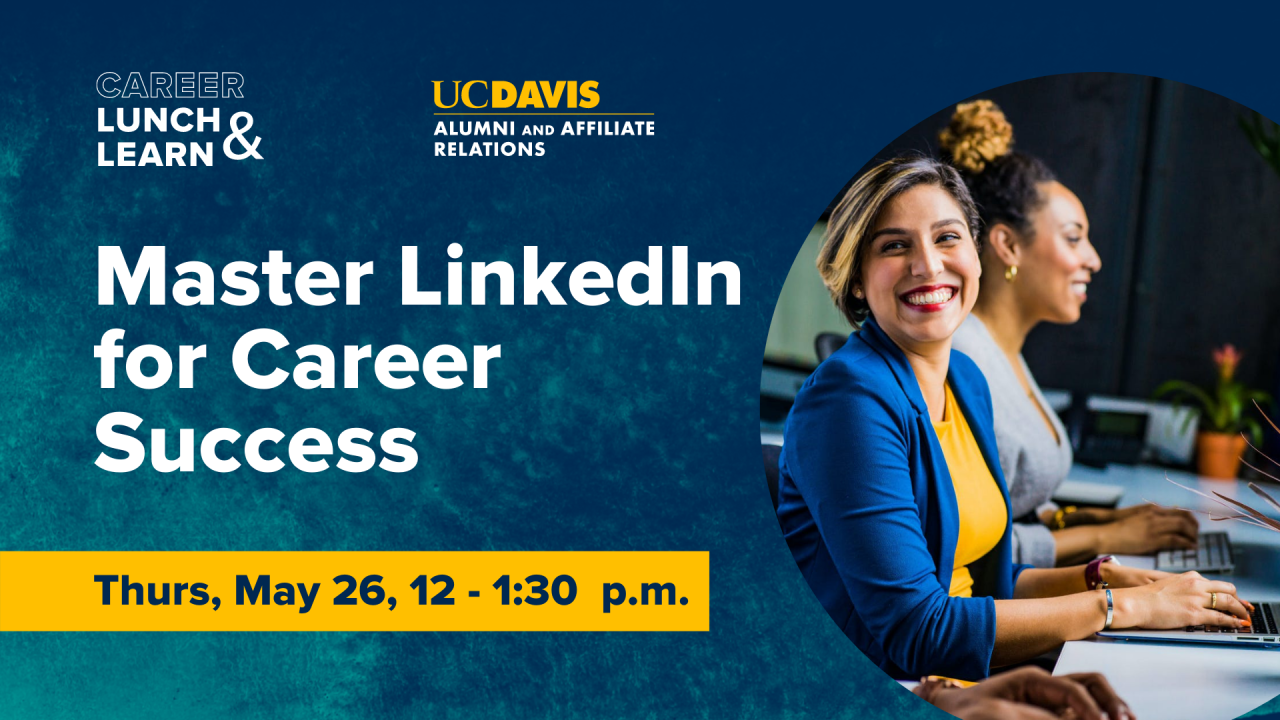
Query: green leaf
[1258, 396]
[1231, 407]
[1254, 429]
[1182, 387]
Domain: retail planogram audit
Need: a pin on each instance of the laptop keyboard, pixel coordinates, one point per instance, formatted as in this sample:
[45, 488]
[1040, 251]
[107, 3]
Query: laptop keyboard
[1262, 617]
[1212, 555]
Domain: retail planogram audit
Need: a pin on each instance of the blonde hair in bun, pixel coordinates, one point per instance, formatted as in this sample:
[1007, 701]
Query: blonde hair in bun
[978, 134]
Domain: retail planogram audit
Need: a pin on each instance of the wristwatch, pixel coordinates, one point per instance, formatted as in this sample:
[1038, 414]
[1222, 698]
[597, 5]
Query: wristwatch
[1093, 572]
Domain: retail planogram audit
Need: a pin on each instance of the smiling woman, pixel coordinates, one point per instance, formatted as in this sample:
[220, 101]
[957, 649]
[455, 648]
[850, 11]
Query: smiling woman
[920, 275]
[917, 270]
[890, 493]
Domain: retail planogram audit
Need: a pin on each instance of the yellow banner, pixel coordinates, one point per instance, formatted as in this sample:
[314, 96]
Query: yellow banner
[298, 591]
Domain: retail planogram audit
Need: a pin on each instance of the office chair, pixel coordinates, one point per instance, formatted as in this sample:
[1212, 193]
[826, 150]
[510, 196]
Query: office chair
[771, 453]
[827, 343]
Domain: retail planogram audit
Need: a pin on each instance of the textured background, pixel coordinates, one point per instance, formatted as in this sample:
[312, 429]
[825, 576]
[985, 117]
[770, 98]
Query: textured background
[604, 428]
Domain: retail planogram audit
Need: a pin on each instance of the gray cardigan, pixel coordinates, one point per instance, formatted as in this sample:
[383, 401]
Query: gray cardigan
[1033, 464]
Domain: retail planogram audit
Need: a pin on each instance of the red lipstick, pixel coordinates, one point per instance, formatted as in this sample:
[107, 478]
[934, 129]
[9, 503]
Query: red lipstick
[929, 298]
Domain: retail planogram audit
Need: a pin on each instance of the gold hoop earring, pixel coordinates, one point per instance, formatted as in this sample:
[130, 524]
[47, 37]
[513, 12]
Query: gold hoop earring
[1010, 273]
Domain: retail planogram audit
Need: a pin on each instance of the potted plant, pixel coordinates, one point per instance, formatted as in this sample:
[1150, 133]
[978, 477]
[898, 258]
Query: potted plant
[1221, 440]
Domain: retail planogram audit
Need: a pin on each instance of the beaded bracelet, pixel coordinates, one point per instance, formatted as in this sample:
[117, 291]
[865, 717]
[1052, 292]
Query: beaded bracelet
[1060, 517]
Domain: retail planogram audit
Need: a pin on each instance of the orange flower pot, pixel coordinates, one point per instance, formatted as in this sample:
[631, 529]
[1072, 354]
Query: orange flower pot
[1218, 454]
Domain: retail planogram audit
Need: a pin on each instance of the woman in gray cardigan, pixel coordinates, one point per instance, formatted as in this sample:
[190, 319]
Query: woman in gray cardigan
[1037, 263]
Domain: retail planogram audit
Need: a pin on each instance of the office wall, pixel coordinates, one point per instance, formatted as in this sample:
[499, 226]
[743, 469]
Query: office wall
[804, 309]
[1185, 216]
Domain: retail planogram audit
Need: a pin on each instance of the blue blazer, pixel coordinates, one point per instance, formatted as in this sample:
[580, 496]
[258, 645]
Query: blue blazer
[869, 511]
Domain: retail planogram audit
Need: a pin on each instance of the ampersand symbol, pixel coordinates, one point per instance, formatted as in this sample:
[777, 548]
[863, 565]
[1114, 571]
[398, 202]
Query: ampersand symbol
[237, 133]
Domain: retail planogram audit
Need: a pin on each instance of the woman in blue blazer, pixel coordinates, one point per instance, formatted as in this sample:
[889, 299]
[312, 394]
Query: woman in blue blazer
[866, 498]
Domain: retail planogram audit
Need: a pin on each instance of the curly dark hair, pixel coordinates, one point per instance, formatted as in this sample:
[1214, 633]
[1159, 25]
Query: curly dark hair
[1007, 190]
[1004, 183]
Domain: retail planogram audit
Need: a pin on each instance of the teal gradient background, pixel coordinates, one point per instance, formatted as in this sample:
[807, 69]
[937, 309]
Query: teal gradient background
[610, 428]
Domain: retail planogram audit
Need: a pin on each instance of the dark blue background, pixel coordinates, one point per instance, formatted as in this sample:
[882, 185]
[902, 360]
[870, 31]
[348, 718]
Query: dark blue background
[613, 428]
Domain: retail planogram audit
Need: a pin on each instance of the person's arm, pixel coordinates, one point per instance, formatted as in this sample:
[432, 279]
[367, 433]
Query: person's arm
[1026, 628]
[1034, 622]
[1077, 544]
[1050, 582]
[1140, 530]
[1055, 582]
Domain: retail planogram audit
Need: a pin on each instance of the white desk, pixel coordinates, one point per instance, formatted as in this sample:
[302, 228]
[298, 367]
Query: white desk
[1172, 682]
[1162, 680]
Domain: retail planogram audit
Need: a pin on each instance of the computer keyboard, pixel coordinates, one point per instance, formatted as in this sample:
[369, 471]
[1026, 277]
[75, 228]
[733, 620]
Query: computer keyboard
[1263, 619]
[1213, 555]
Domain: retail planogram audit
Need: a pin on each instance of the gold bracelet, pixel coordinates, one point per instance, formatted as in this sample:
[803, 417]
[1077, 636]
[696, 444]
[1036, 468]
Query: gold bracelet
[1060, 517]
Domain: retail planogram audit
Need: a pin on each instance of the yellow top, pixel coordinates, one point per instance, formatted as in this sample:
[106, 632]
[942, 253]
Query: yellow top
[981, 507]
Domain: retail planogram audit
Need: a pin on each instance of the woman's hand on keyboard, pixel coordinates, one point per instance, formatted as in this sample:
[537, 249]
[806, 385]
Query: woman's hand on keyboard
[1147, 530]
[1179, 601]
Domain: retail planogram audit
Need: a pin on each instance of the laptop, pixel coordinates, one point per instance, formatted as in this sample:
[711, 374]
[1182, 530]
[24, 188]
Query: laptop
[1213, 554]
[1264, 633]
